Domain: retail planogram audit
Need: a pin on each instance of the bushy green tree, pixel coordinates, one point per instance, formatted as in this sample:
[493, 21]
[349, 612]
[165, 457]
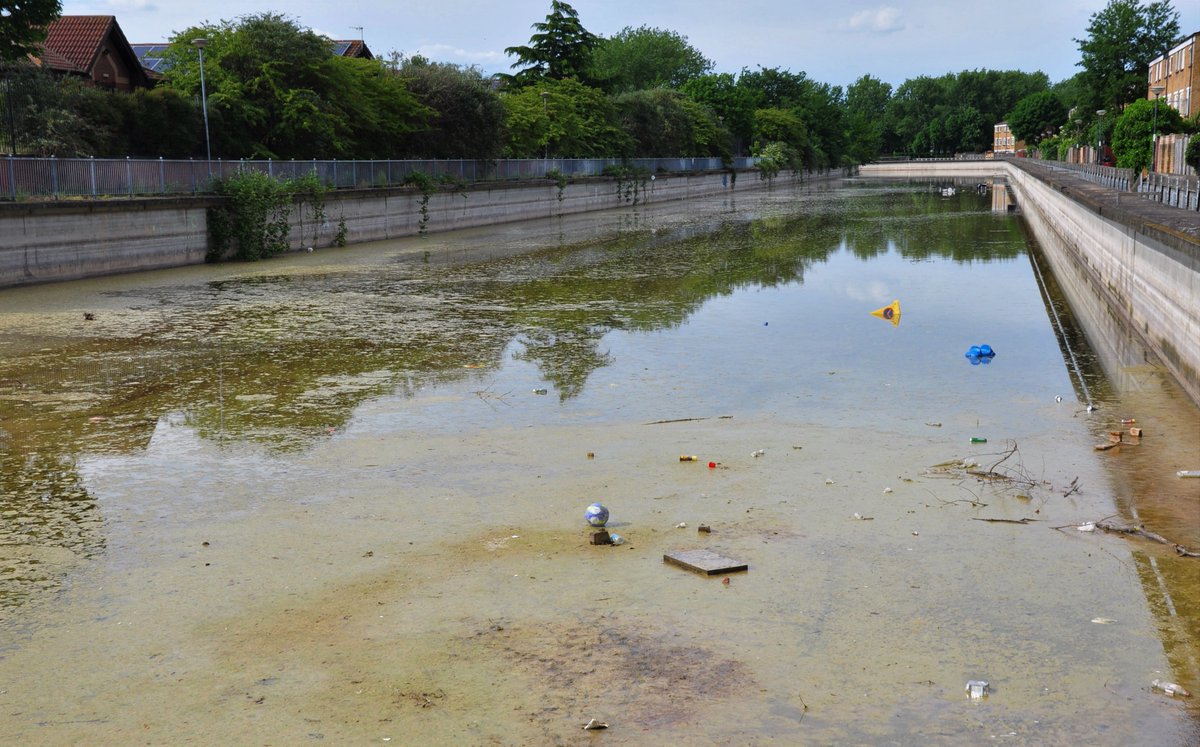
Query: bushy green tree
[571, 121]
[1122, 39]
[1133, 134]
[667, 124]
[280, 93]
[641, 58]
[468, 116]
[23, 26]
[733, 104]
[1036, 117]
[561, 48]
[865, 119]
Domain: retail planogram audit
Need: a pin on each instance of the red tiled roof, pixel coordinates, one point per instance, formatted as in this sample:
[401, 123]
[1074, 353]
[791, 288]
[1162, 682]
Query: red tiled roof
[51, 59]
[78, 38]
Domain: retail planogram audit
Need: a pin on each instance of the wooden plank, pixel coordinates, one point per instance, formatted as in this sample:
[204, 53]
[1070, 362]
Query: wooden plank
[704, 561]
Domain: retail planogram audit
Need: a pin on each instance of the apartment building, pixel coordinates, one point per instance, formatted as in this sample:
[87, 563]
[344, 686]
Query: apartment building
[1175, 77]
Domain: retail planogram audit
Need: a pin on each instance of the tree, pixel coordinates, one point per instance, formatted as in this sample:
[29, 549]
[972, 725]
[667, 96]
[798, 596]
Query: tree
[1122, 39]
[1036, 117]
[560, 49]
[732, 103]
[23, 26]
[1133, 134]
[645, 57]
[866, 110]
[570, 121]
[667, 124]
[468, 116]
[281, 93]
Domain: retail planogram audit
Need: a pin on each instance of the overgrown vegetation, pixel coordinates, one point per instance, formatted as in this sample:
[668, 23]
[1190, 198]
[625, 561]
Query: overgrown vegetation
[631, 181]
[253, 222]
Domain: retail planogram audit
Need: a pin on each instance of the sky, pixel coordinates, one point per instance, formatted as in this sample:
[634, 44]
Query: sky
[831, 42]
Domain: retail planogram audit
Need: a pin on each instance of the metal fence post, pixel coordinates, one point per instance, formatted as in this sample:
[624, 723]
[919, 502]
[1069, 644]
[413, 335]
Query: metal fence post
[54, 177]
[92, 170]
[162, 177]
[129, 175]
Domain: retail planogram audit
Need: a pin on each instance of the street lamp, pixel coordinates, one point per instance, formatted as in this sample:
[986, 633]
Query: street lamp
[546, 113]
[200, 43]
[1100, 134]
[1157, 91]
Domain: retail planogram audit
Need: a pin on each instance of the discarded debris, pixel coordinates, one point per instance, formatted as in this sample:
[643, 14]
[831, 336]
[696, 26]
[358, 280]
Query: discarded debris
[704, 529]
[1170, 688]
[1188, 473]
[616, 539]
[686, 458]
[978, 688]
[704, 561]
[540, 391]
[594, 724]
[1103, 620]
[1025, 520]
[1137, 531]
[596, 514]
[601, 538]
[859, 517]
[681, 525]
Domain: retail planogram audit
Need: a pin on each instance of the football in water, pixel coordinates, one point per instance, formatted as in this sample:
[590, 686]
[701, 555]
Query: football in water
[596, 515]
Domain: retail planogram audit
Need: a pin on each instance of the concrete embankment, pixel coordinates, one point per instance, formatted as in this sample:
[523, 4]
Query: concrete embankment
[70, 239]
[1141, 257]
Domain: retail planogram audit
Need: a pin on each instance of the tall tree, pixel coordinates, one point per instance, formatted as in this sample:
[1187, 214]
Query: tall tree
[733, 104]
[1122, 39]
[866, 111]
[468, 116]
[563, 118]
[560, 49]
[636, 59]
[23, 26]
[281, 93]
[1037, 116]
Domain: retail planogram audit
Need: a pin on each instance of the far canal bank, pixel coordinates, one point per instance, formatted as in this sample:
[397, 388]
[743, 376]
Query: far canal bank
[71, 239]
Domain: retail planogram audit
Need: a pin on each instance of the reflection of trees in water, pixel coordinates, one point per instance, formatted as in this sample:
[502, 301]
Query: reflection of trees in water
[46, 510]
[280, 360]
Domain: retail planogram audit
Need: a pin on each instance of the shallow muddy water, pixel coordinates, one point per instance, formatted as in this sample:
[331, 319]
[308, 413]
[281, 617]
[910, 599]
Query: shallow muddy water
[339, 496]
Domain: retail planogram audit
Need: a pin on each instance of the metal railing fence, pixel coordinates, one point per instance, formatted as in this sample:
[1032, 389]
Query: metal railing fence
[1175, 190]
[39, 178]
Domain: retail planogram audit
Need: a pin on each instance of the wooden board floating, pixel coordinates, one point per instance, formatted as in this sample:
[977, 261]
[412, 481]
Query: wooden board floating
[704, 561]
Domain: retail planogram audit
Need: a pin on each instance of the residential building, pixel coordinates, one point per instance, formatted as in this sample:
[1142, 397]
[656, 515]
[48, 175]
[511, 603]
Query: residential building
[92, 47]
[1004, 143]
[1178, 75]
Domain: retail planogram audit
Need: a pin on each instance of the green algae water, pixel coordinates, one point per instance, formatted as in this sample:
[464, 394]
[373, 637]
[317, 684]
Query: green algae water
[339, 496]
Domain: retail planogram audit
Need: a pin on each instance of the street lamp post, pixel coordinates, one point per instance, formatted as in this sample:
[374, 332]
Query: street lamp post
[1157, 91]
[200, 43]
[546, 113]
[1100, 134]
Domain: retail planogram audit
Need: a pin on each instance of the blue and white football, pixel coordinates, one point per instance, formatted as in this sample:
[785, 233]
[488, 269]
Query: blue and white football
[596, 515]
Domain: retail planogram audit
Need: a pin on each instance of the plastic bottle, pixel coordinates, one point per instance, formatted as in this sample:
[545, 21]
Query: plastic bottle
[686, 458]
[978, 440]
[1170, 688]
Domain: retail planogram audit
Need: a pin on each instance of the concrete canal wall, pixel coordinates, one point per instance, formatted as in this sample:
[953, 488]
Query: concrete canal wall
[70, 239]
[1141, 257]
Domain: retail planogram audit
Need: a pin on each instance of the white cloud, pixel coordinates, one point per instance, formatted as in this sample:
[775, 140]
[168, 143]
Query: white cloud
[882, 20]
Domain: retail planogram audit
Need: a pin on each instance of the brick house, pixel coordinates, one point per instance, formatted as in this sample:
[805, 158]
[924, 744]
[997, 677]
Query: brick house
[92, 47]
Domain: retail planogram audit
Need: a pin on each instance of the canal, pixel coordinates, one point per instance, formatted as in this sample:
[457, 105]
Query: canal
[340, 495]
